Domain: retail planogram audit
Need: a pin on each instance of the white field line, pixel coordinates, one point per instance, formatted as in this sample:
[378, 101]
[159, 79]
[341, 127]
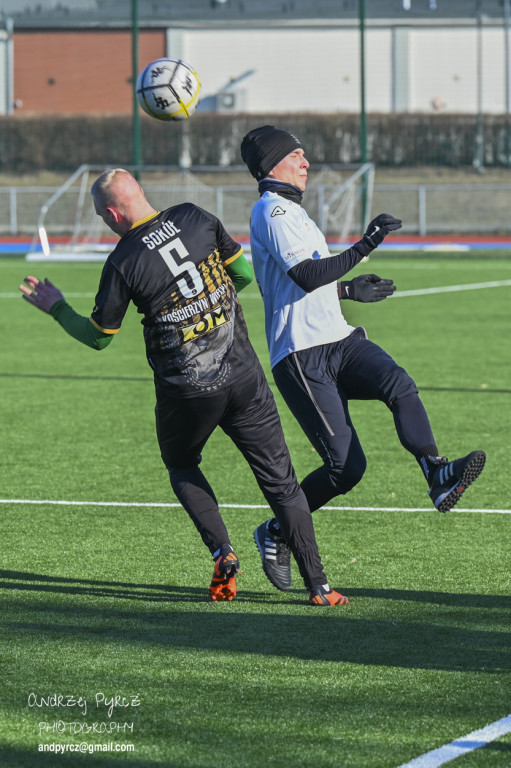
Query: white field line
[468, 743]
[70, 503]
[453, 288]
[426, 291]
[397, 295]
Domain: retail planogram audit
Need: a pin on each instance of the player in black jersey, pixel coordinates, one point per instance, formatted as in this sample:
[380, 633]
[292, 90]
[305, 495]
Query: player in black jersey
[180, 267]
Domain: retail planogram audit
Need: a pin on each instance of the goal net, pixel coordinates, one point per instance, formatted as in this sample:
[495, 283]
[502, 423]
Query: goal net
[344, 199]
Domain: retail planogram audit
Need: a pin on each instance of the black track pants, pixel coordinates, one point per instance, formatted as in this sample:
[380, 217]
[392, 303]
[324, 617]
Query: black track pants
[247, 413]
[317, 385]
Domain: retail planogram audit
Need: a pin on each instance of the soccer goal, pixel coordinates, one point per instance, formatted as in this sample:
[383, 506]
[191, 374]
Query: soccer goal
[69, 219]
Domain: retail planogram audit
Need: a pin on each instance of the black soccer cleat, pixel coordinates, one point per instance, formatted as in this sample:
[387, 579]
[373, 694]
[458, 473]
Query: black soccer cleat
[276, 556]
[452, 478]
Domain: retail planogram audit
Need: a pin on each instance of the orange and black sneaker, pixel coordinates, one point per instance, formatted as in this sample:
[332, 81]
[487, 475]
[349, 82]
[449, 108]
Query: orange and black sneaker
[223, 583]
[321, 594]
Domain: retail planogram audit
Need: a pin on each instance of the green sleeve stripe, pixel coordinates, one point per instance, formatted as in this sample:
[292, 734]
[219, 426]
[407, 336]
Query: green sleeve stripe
[240, 273]
[79, 327]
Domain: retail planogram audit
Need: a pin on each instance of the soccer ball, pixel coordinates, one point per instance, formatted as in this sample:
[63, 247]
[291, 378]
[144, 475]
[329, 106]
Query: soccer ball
[168, 89]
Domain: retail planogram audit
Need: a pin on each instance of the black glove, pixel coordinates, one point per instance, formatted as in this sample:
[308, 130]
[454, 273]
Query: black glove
[379, 228]
[366, 288]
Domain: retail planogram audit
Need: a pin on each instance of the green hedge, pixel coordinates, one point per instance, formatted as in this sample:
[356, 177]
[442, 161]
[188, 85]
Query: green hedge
[63, 143]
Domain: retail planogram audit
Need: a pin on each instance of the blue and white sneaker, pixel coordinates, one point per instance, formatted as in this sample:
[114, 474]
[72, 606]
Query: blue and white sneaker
[452, 478]
[276, 556]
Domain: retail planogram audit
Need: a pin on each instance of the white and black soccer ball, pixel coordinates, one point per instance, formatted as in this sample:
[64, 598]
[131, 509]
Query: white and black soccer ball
[168, 89]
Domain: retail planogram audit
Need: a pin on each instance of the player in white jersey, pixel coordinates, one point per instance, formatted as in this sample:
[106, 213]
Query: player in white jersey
[294, 319]
[319, 362]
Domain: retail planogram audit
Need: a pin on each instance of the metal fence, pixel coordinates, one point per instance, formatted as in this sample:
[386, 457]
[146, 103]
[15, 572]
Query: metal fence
[426, 209]
[440, 209]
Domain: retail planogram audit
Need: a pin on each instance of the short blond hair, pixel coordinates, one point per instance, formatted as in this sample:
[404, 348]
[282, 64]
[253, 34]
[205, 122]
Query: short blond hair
[102, 188]
[118, 188]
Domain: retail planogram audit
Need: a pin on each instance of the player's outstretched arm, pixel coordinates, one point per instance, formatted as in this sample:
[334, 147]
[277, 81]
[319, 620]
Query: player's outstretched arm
[48, 298]
[312, 273]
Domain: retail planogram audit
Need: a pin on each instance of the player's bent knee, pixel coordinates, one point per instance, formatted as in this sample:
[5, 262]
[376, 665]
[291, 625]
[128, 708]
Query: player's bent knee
[345, 478]
[402, 386]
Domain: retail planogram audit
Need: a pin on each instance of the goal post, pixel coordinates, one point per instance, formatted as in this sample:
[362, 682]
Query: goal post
[66, 218]
[344, 201]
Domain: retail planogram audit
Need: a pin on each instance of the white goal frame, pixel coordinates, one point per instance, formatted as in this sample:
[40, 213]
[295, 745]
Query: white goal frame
[345, 204]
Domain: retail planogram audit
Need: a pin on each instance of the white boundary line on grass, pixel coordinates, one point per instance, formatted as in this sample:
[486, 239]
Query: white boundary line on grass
[458, 747]
[426, 291]
[397, 295]
[64, 503]
[452, 288]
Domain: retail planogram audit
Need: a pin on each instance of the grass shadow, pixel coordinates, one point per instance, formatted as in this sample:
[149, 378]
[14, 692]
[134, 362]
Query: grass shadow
[254, 623]
[12, 757]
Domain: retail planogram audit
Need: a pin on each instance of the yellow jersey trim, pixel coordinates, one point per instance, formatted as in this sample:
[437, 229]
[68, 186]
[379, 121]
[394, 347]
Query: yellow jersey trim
[103, 330]
[146, 218]
[233, 258]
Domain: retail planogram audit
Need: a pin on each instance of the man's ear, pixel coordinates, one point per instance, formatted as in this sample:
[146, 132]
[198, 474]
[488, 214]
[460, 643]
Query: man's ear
[114, 213]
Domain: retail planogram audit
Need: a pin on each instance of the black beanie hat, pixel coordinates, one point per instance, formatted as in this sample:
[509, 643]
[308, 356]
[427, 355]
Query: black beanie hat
[263, 148]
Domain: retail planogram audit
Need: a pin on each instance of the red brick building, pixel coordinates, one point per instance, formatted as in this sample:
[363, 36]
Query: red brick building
[71, 72]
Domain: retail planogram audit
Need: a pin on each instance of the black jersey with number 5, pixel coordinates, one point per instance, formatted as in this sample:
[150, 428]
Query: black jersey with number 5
[172, 266]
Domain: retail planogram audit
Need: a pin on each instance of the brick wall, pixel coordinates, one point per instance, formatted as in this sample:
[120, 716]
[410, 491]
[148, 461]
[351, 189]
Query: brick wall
[79, 72]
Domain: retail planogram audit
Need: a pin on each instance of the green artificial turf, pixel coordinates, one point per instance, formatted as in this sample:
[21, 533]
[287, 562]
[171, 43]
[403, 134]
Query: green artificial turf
[108, 596]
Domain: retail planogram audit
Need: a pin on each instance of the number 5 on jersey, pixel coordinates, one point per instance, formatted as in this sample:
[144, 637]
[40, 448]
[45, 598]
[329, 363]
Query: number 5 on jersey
[190, 284]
